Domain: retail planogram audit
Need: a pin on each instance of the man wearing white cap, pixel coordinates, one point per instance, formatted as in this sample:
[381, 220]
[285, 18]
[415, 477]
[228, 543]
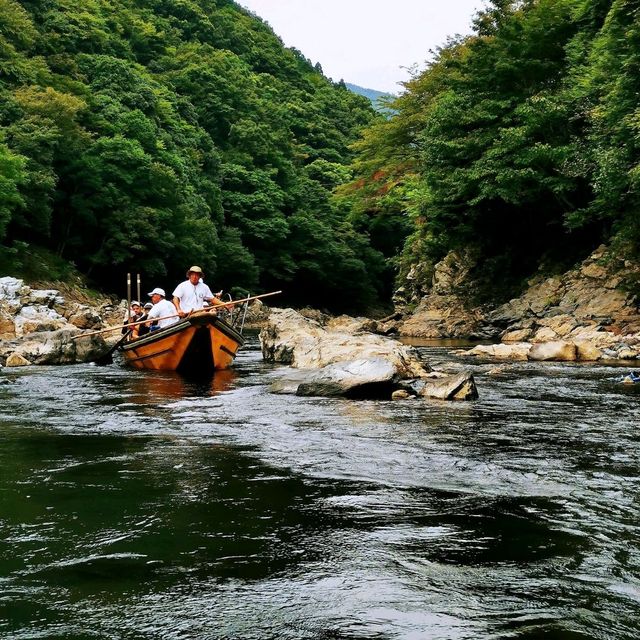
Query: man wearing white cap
[191, 294]
[161, 309]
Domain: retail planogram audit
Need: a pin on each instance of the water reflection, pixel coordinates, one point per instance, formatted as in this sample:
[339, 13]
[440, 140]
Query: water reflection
[153, 387]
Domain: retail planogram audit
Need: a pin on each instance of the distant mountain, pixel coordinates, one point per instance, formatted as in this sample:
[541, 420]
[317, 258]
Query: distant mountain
[377, 97]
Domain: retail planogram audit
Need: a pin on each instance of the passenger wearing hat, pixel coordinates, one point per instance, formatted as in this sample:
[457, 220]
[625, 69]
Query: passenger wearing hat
[161, 309]
[191, 294]
[134, 314]
[142, 329]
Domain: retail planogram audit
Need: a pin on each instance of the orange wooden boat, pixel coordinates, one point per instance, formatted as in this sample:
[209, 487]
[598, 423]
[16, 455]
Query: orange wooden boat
[201, 342]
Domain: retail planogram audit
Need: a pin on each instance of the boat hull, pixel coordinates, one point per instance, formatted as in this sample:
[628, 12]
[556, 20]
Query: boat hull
[200, 343]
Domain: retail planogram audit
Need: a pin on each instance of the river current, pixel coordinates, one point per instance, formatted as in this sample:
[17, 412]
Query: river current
[146, 505]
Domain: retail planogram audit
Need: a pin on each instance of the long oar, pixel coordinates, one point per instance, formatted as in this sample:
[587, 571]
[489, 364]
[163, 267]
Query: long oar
[107, 358]
[174, 315]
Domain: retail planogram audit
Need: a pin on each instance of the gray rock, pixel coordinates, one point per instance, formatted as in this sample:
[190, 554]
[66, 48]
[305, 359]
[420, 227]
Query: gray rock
[457, 387]
[55, 347]
[361, 378]
[292, 339]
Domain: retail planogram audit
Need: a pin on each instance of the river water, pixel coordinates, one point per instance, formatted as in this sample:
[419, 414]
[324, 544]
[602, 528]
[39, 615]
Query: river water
[145, 505]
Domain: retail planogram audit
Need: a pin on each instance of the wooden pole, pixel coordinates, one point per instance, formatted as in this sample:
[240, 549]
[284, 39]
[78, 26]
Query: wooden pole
[138, 283]
[212, 308]
[128, 295]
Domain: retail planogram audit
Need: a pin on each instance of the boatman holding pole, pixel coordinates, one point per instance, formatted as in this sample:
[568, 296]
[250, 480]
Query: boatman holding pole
[191, 294]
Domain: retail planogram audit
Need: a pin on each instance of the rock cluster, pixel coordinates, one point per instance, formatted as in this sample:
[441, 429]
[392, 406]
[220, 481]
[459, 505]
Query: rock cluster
[37, 326]
[342, 358]
[442, 309]
[585, 314]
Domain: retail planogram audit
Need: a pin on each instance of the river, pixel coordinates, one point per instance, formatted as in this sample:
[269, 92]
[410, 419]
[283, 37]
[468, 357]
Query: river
[145, 505]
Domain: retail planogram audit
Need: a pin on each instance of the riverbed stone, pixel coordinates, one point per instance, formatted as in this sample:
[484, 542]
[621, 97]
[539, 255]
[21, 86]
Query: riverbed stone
[587, 352]
[545, 334]
[16, 360]
[55, 347]
[362, 378]
[558, 350]
[7, 325]
[513, 351]
[461, 386]
[518, 335]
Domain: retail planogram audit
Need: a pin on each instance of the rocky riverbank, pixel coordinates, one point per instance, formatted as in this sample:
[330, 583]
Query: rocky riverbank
[588, 313]
[37, 326]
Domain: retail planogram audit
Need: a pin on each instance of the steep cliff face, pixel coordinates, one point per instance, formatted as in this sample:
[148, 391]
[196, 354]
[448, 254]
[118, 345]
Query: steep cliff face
[592, 304]
[594, 294]
[439, 299]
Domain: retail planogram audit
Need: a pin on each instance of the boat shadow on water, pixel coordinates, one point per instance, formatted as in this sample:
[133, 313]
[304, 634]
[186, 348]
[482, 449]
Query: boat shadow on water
[151, 387]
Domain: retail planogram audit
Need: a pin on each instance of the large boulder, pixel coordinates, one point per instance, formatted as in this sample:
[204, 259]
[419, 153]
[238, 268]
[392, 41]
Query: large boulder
[292, 339]
[373, 377]
[512, 351]
[337, 363]
[52, 347]
[558, 350]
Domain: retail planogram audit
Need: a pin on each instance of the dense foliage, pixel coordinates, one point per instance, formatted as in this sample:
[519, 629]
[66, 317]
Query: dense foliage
[148, 136]
[520, 142]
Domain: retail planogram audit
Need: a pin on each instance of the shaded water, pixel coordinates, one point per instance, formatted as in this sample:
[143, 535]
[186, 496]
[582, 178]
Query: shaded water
[145, 505]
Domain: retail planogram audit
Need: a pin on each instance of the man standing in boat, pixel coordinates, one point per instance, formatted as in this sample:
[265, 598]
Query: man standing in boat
[191, 294]
[162, 309]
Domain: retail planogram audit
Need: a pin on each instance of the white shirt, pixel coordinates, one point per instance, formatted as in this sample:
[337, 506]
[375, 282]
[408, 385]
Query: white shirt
[192, 296]
[162, 309]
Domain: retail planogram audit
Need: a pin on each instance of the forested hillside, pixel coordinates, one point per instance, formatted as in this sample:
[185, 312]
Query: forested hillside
[147, 136]
[519, 144]
[378, 98]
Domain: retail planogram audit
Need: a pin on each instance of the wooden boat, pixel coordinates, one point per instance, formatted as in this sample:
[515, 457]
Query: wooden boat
[201, 342]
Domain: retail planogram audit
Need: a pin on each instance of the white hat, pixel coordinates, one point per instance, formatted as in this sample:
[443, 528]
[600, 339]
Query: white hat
[157, 290]
[135, 303]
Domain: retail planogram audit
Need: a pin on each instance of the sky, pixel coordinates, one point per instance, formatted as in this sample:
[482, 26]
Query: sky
[371, 43]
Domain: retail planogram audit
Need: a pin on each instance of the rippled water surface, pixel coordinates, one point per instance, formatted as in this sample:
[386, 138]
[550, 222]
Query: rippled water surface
[146, 505]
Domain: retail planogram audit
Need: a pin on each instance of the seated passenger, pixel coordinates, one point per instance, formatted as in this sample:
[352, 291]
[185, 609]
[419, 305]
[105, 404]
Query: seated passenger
[134, 314]
[163, 314]
[142, 329]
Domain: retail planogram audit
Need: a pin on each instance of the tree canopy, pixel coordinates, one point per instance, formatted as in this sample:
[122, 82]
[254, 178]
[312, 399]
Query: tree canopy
[520, 141]
[145, 137]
